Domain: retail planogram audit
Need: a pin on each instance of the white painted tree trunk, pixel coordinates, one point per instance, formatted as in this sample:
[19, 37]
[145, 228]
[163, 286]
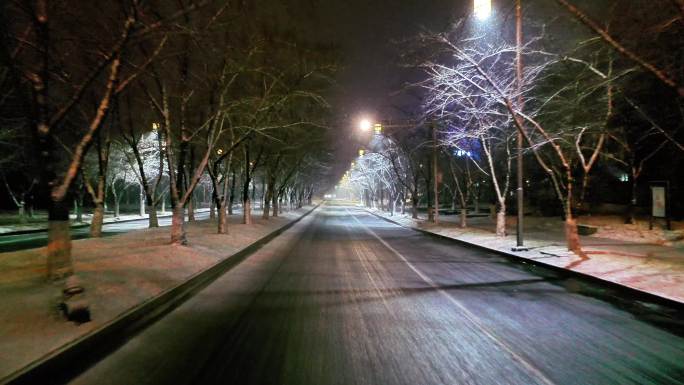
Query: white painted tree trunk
[142, 202]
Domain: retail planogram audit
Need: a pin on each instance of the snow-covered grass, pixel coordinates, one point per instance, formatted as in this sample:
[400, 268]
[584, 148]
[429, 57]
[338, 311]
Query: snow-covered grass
[118, 273]
[652, 267]
[10, 223]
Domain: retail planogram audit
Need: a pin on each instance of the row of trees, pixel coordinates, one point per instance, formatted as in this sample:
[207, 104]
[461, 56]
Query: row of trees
[582, 100]
[166, 95]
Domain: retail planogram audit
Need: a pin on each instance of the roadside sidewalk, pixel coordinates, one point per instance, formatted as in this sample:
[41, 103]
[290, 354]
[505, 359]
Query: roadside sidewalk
[121, 274]
[29, 228]
[651, 268]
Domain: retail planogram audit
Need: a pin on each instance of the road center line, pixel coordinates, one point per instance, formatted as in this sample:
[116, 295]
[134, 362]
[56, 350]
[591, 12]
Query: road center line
[467, 313]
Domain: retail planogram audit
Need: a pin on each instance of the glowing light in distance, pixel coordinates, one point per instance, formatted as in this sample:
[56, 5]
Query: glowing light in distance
[482, 9]
[365, 125]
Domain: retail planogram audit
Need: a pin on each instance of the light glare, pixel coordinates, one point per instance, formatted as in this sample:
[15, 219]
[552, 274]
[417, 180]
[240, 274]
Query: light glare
[482, 9]
[365, 125]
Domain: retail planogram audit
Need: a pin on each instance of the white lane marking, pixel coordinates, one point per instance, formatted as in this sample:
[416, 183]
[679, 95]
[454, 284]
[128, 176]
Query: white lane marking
[467, 313]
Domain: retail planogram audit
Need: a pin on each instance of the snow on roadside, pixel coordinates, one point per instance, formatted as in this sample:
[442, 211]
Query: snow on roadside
[118, 273]
[652, 268]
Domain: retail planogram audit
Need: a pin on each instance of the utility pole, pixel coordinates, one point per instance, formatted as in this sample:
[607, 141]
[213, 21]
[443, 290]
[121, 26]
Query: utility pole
[519, 161]
[435, 177]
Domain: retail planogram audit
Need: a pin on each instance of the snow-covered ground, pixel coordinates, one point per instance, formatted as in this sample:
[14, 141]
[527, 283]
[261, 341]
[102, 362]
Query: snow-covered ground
[118, 273]
[615, 253]
[40, 222]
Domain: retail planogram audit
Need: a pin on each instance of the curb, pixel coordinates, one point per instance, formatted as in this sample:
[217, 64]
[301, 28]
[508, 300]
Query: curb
[637, 294]
[71, 359]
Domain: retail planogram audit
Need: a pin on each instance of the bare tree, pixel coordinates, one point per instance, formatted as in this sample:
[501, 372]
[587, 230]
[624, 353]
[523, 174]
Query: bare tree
[660, 72]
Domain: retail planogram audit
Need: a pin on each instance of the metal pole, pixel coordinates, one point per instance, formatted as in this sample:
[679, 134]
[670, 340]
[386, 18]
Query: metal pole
[434, 173]
[519, 163]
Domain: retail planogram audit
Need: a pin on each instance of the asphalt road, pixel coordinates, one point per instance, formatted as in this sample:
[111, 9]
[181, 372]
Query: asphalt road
[346, 298]
[33, 240]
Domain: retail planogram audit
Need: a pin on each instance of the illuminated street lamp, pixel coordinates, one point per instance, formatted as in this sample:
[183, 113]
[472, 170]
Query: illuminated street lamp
[482, 9]
[219, 151]
[365, 125]
[377, 127]
[361, 151]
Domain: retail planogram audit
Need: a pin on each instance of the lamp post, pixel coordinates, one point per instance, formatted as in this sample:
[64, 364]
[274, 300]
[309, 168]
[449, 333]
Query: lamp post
[435, 181]
[519, 164]
[482, 10]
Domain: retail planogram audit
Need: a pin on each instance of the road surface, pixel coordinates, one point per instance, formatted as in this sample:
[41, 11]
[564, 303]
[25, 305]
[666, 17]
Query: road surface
[346, 298]
[33, 240]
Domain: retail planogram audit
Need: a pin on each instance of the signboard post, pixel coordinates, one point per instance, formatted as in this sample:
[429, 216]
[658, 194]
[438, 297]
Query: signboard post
[660, 200]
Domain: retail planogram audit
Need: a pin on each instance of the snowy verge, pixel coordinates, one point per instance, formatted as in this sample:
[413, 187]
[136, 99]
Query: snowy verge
[123, 275]
[654, 269]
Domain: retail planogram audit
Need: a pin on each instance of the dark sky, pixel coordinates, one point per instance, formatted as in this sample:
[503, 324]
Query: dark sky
[369, 34]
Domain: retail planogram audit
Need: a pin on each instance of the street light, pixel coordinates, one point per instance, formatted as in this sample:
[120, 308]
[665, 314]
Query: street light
[482, 9]
[365, 125]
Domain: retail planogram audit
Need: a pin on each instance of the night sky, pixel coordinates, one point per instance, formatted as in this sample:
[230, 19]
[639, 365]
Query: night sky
[369, 35]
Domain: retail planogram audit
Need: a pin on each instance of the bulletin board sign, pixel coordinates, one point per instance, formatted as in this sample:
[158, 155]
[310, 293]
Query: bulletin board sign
[660, 200]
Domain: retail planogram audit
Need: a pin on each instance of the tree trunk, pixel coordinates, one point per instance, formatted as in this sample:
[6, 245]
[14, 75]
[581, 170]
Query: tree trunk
[414, 206]
[79, 210]
[268, 197]
[222, 219]
[117, 208]
[152, 210]
[191, 208]
[572, 236]
[22, 212]
[231, 199]
[163, 209]
[247, 212]
[212, 209]
[275, 205]
[501, 220]
[97, 221]
[464, 215]
[141, 206]
[178, 236]
[631, 207]
[267, 208]
[59, 242]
